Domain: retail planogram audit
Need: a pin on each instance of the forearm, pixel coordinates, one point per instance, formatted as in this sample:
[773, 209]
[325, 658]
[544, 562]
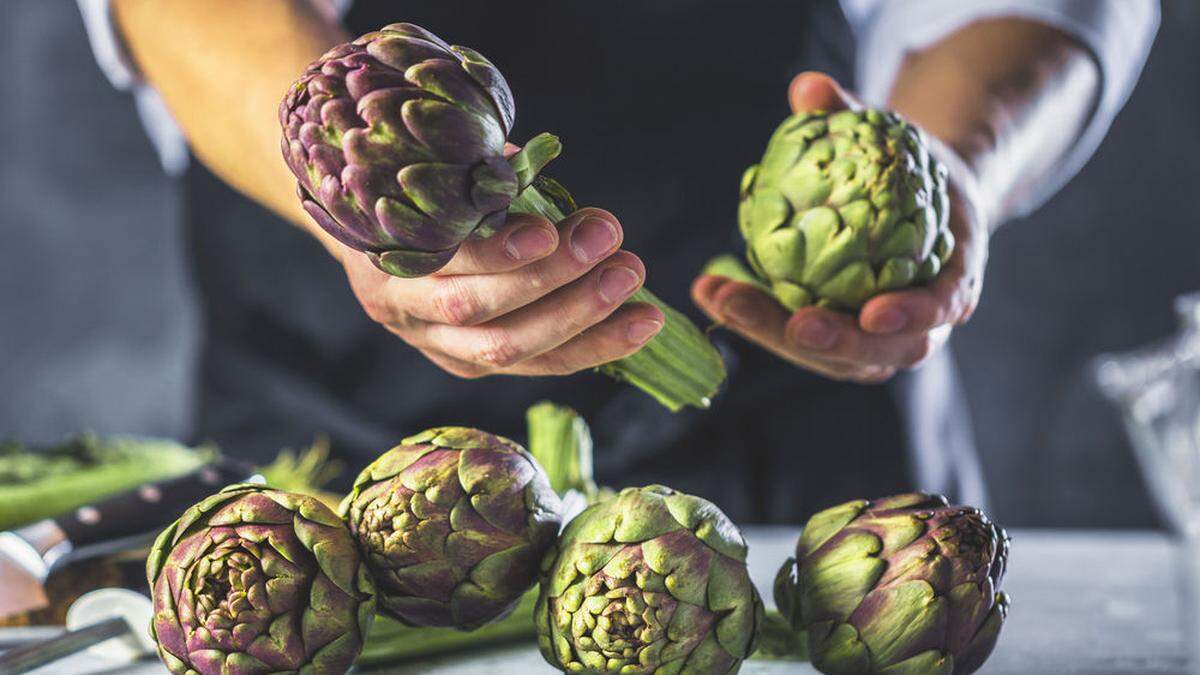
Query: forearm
[1011, 96]
[222, 66]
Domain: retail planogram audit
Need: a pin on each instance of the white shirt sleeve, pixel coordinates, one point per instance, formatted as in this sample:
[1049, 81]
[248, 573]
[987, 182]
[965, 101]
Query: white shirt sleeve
[1118, 32]
[118, 66]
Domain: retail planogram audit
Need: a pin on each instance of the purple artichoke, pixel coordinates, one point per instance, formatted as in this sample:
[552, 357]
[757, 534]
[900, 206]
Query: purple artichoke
[649, 581]
[397, 140]
[453, 522]
[904, 584]
[254, 580]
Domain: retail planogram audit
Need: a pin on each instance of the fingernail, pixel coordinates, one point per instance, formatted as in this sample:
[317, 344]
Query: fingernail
[746, 312]
[643, 329]
[592, 238]
[529, 242]
[617, 282]
[815, 333]
[889, 321]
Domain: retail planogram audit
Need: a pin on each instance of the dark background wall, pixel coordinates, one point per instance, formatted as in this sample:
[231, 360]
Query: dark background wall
[96, 321]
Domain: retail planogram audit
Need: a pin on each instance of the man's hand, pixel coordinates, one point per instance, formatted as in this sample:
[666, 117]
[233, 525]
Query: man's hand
[893, 330]
[533, 299]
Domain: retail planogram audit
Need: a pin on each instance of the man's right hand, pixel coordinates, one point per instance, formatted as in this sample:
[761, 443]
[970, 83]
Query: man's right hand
[533, 299]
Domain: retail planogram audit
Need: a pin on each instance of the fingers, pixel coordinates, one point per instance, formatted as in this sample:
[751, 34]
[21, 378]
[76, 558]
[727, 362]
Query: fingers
[950, 298]
[948, 301]
[817, 91]
[618, 336]
[588, 237]
[821, 340]
[757, 317]
[543, 325]
[836, 338]
[742, 307]
[523, 239]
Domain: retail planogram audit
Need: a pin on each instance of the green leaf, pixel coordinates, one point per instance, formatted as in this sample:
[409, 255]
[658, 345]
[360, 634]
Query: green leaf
[531, 159]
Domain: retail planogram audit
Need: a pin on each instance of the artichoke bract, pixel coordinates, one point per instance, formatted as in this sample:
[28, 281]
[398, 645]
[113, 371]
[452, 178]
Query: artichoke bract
[904, 584]
[844, 205]
[254, 580]
[649, 581]
[397, 140]
[453, 523]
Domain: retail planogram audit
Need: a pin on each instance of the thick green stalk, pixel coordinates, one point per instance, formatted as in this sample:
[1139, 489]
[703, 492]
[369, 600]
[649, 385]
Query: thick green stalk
[390, 641]
[560, 441]
[679, 366]
[777, 641]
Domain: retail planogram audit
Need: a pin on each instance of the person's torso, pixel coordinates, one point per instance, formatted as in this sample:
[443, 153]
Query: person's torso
[660, 105]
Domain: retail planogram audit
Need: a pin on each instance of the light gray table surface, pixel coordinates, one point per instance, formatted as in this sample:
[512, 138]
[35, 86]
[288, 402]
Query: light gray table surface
[1084, 603]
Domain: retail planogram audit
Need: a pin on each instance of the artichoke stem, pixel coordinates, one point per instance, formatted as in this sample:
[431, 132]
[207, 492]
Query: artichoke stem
[679, 366]
[560, 441]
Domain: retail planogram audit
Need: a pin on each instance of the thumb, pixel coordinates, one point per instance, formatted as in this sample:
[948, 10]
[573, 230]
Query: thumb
[817, 91]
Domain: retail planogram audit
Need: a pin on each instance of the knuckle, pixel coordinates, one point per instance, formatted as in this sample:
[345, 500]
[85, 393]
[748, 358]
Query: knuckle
[540, 278]
[377, 310]
[457, 305]
[570, 322]
[497, 350]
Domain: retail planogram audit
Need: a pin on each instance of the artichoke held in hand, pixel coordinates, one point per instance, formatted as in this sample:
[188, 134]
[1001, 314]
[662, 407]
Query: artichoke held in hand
[649, 581]
[253, 580]
[904, 584]
[453, 523]
[397, 140]
[843, 206]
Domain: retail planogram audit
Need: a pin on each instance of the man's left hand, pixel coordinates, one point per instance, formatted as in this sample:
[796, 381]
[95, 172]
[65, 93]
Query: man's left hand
[893, 330]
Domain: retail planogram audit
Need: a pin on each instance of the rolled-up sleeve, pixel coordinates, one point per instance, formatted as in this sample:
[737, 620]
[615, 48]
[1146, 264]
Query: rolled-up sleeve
[1118, 32]
[121, 70]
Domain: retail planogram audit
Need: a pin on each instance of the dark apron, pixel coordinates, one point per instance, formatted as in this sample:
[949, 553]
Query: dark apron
[661, 105]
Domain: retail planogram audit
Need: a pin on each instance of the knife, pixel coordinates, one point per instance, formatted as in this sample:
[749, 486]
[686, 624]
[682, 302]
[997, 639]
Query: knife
[28, 554]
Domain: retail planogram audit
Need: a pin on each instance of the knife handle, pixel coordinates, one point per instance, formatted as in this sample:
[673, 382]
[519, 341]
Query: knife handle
[149, 507]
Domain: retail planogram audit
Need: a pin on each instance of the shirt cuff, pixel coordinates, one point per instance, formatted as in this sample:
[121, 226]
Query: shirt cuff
[110, 53]
[1118, 32]
[118, 66]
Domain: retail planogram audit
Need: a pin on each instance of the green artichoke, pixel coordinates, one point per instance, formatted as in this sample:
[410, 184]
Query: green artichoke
[649, 581]
[254, 580]
[397, 140]
[904, 584]
[844, 206]
[453, 523]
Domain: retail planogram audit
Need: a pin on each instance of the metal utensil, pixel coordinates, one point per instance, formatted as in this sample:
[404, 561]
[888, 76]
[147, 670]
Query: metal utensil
[110, 622]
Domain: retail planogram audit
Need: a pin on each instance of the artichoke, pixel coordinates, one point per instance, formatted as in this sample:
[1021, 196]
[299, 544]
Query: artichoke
[649, 581]
[397, 140]
[453, 522]
[844, 205]
[904, 584]
[254, 580]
